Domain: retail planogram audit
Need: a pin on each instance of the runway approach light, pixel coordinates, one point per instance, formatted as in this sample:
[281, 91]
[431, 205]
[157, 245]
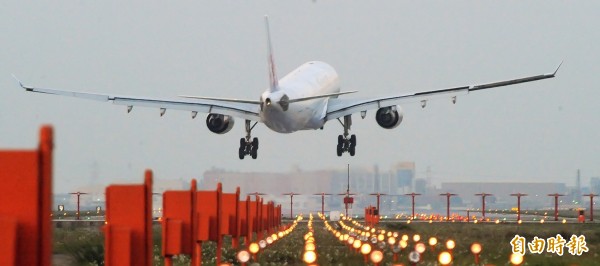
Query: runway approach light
[432, 241]
[450, 244]
[365, 249]
[309, 257]
[376, 256]
[253, 248]
[416, 238]
[420, 247]
[445, 258]
[516, 259]
[243, 256]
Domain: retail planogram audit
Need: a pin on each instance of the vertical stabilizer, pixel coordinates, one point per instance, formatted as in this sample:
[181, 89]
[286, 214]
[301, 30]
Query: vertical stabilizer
[273, 81]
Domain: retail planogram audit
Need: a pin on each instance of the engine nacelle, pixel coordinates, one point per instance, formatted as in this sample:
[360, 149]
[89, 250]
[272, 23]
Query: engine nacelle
[219, 124]
[389, 117]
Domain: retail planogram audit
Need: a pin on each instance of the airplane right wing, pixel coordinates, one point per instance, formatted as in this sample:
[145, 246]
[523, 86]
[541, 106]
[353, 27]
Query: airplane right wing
[245, 110]
[341, 107]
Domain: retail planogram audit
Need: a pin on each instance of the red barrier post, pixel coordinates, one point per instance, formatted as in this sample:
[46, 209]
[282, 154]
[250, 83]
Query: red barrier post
[259, 218]
[208, 213]
[252, 219]
[243, 221]
[230, 212]
[128, 229]
[25, 226]
[177, 223]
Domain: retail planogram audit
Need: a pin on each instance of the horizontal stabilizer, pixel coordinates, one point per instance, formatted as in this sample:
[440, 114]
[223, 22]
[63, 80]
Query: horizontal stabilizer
[319, 96]
[220, 99]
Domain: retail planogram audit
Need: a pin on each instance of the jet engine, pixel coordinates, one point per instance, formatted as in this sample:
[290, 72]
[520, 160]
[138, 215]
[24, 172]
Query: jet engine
[389, 117]
[219, 124]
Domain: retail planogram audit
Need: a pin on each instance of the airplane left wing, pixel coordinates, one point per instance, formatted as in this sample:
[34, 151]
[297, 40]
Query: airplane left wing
[341, 107]
[236, 109]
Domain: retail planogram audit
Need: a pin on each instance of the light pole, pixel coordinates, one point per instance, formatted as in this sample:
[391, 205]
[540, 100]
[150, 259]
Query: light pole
[555, 195]
[78, 195]
[518, 195]
[291, 194]
[348, 201]
[322, 201]
[448, 195]
[591, 195]
[483, 195]
[413, 202]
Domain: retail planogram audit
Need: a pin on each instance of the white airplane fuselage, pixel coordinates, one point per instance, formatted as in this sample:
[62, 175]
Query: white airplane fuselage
[310, 79]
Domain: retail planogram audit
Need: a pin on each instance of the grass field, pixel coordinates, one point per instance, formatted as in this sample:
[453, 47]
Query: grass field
[85, 245]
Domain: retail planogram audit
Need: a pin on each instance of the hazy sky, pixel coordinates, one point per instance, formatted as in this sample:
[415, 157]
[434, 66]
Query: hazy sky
[541, 131]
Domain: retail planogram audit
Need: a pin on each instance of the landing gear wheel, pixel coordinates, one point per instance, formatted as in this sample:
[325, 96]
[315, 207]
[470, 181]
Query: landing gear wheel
[255, 143]
[242, 143]
[242, 153]
[340, 140]
[353, 141]
[340, 150]
[352, 150]
[254, 153]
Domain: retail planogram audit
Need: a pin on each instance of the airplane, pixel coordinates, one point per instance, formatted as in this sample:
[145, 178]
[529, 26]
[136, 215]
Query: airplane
[304, 99]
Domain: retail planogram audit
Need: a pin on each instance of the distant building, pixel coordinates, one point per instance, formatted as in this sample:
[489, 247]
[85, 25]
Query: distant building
[402, 178]
[420, 185]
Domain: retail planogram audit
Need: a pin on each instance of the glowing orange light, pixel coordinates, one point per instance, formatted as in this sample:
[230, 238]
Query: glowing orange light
[432, 241]
[243, 256]
[476, 248]
[357, 243]
[445, 258]
[253, 248]
[376, 256]
[309, 257]
[365, 249]
[420, 247]
[416, 238]
[516, 259]
[450, 244]
[391, 240]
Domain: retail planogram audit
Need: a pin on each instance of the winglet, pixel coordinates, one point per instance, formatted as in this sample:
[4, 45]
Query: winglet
[555, 71]
[21, 83]
[273, 81]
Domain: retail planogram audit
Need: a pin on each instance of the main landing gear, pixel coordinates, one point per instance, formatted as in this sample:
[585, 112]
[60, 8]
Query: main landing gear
[346, 144]
[248, 147]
